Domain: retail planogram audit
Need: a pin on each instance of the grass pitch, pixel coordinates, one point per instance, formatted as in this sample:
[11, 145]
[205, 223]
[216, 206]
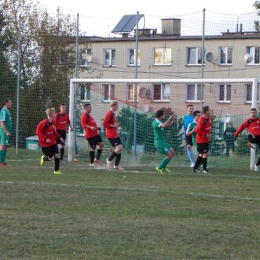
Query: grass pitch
[94, 213]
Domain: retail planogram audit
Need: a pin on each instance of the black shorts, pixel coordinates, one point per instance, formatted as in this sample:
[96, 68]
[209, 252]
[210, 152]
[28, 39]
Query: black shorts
[188, 139]
[255, 140]
[50, 151]
[93, 141]
[203, 148]
[62, 133]
[115, 141]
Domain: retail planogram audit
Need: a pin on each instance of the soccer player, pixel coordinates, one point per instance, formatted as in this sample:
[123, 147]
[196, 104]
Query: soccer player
[253, 127]
[159, 142]
[92, 135]
[203, 130]
[191, 129]
[48, 140]
[186, 119]
[111, 126]
[5, 130]
[61, 121]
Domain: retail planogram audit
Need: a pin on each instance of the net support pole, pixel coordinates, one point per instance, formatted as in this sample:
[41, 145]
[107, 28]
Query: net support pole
[71, 139]
[75, 96]
[18, 86]
[254, 105]
[136, 76]
[202, 59]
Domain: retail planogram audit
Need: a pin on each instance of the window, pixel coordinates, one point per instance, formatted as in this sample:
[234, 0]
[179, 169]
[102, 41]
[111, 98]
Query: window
[131, 92]
[85, 57]
[109, 57]
[225, 55]
[108, 92]
[254, 52]
[249, 93]
[132, 56]
[194, 92]
[161, 92]
[162, 56]
[224, 93]
[85, 92]
[194, 56]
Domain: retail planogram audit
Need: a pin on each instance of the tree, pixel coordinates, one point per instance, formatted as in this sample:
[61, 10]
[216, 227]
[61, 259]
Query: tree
[257, 7]
[7, 78]
[144, 131]
[44, 73]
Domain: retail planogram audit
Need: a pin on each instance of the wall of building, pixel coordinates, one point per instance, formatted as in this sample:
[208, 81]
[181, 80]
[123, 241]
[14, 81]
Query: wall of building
[178, 69]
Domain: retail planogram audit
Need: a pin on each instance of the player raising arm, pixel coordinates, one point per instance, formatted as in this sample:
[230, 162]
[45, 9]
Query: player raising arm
[159, 142]
[253, 126]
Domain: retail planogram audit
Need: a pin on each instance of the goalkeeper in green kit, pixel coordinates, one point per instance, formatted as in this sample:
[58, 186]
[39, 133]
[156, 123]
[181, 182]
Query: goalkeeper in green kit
[5, 130]
[159, 142]
[192, 127]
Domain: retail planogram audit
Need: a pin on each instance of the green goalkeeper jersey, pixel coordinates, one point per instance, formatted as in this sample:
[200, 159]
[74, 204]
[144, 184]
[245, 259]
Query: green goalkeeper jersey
[190, 128]
[5, 116]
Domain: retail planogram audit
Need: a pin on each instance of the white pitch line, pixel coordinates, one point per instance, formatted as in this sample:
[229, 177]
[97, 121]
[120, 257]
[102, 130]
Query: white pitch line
[79, 166]
[131, 189]
[87, 167]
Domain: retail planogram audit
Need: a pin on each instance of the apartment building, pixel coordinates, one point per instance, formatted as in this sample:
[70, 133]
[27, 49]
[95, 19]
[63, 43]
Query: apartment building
[170, 55]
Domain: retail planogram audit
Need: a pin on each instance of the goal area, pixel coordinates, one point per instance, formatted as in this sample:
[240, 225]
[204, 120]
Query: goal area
[230, 101]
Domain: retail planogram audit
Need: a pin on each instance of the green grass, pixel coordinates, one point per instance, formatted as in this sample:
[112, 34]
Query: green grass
[135, 214]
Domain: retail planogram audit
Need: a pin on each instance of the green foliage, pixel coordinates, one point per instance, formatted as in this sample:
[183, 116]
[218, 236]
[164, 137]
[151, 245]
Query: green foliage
[7, 77]
[47, 61]
[215, 146]
[256, 23]
[242, 148]
[144, 131]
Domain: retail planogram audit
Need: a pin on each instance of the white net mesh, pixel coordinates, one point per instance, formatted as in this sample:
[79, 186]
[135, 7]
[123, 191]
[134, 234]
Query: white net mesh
[229, 100]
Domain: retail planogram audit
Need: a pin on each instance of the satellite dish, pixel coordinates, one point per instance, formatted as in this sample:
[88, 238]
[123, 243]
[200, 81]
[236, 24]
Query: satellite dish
[248, 58]
[145, 108]
[148, 94]
[225, 118]
[142, 92]
[209, 56]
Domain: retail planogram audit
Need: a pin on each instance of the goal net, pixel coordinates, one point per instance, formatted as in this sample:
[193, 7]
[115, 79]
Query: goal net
[230, 101]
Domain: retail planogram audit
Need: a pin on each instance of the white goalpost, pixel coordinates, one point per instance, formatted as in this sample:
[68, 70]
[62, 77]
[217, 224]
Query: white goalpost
[74, 82]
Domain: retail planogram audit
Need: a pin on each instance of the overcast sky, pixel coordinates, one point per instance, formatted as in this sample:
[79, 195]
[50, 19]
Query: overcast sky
[99, 17]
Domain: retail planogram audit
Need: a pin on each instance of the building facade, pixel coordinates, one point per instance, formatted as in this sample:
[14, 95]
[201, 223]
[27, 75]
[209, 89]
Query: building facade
[171, 56]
